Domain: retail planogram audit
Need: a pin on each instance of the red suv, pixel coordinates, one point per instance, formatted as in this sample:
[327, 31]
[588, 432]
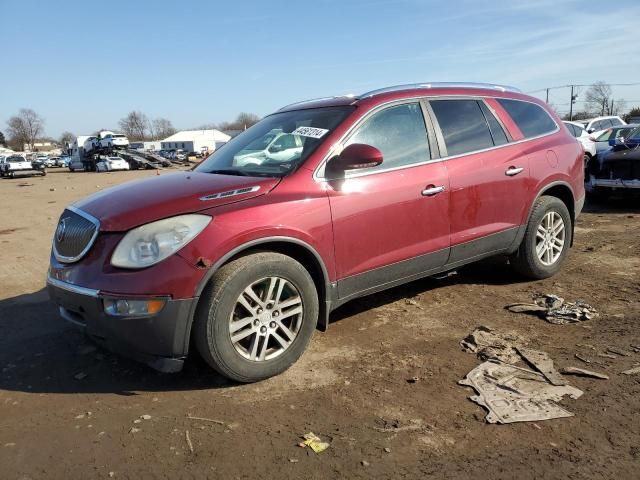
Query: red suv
[319, 203]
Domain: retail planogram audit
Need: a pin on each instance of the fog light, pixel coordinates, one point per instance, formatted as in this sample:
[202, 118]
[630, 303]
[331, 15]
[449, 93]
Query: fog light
[127, 307]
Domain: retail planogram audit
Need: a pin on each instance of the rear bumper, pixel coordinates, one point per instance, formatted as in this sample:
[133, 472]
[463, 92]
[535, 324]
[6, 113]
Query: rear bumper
[161, 340]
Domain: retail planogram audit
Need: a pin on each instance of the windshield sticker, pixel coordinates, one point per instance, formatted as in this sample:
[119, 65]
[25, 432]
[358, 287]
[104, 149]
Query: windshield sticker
[310, 132]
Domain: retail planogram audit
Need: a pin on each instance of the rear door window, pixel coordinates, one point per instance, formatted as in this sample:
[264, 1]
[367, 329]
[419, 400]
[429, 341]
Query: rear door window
[616, 122]
[463, 125]
[531, 119]
[497, 132]
[399, 133]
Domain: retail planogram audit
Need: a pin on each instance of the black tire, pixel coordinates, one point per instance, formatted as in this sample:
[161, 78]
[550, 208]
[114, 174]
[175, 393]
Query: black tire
[211, 331]
[525, 260]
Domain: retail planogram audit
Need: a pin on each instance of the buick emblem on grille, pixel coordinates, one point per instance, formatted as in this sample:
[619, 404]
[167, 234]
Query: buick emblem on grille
[60, 230]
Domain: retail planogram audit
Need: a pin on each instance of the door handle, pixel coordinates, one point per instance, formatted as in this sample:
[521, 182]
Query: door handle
[432, 190]
[513, 171]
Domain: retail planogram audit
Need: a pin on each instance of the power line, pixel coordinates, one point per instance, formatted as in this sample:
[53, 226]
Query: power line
[584, 85]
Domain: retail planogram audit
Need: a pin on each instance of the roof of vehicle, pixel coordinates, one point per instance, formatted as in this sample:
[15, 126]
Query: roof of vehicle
[577, 124]
[589, 120]
[400, 91]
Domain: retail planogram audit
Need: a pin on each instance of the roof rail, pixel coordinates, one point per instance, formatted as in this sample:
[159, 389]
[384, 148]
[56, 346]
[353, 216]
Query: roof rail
[396, 88]
[319, 99]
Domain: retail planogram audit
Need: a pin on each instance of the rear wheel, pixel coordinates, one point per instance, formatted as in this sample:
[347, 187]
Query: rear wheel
[256, 317]
[546, 240]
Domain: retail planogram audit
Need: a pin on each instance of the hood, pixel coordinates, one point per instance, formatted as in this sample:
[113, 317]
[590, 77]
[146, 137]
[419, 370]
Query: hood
[142, 201]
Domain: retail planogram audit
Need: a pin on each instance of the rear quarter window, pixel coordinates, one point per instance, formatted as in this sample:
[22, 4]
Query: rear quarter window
[531, 119]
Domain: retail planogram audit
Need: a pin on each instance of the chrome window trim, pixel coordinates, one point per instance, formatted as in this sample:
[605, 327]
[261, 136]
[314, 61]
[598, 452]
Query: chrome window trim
[69, 287]
[320, 178]
[95, 221]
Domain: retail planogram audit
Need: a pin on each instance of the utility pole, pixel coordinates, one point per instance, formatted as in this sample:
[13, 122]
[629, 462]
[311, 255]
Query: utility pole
[547, 95]
[573, 99]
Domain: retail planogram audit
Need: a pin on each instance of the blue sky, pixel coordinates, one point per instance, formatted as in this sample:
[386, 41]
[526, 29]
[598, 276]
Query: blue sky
[83, 66]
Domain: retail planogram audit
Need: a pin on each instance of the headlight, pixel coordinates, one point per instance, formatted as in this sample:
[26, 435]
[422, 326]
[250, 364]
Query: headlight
[153, 242]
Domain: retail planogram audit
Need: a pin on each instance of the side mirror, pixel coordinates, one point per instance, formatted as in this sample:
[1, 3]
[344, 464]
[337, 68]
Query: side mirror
[355, 157]
[591, 130]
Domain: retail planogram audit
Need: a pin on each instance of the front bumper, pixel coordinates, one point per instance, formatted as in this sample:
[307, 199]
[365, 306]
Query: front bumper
[161, 340]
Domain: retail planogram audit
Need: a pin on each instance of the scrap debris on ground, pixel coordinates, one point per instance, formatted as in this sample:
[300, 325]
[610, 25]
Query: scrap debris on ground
[489, 344]
[314, 442]
[583, 372]
[555, 309]
[512, 393]
[632, 371]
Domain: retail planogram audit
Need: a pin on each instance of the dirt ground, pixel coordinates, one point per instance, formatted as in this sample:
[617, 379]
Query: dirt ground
[351, 387]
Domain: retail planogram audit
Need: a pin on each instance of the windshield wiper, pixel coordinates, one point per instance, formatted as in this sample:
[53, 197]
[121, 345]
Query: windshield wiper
[230, 171]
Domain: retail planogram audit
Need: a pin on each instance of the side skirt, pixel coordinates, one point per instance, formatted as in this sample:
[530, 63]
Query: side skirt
[416, 268]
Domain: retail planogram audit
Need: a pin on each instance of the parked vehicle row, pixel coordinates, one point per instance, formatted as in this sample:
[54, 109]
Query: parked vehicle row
[611, 154]
[242, 259]
[13, 164]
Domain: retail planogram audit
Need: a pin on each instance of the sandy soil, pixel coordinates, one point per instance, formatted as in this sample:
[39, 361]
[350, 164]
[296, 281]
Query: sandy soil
[350, 387]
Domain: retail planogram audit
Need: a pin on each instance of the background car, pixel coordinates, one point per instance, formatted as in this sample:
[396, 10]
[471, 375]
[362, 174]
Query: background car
[588, 142]
[114, 140]
[109, 164]
[63, 161]
[618, 168]
[603, 140]
[598, 124]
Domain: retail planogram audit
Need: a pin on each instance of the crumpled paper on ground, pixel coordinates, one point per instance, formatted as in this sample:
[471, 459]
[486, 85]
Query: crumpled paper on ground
[555, 309]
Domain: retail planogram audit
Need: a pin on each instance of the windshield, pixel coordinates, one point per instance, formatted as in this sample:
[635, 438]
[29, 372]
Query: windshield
[276, 145]
[635, 134]
[612, 133]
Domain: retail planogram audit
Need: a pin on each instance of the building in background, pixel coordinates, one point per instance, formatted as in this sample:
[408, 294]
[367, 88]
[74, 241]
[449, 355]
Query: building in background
[41, 147]
[199, 141]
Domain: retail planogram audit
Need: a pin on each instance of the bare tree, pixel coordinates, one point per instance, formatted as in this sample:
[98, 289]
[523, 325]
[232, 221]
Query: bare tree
[25, 128]
[66, 138]
[598, 98]
[617, 106]
[134, 125]
[242, 122]
[3, 141]
[161, 128]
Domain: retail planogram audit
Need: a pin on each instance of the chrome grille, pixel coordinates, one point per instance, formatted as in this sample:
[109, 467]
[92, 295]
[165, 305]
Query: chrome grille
[74, 235]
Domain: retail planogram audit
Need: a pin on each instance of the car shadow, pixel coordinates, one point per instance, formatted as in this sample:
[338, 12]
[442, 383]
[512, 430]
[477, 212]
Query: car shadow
[41, 353]
[616, 203]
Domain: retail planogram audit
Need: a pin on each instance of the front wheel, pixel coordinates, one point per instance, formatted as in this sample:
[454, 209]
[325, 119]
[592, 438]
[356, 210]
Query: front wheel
[546, 240]
[256, 317]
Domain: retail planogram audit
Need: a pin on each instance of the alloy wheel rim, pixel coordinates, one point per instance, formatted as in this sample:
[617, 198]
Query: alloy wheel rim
[550, 238]
[266, 319]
